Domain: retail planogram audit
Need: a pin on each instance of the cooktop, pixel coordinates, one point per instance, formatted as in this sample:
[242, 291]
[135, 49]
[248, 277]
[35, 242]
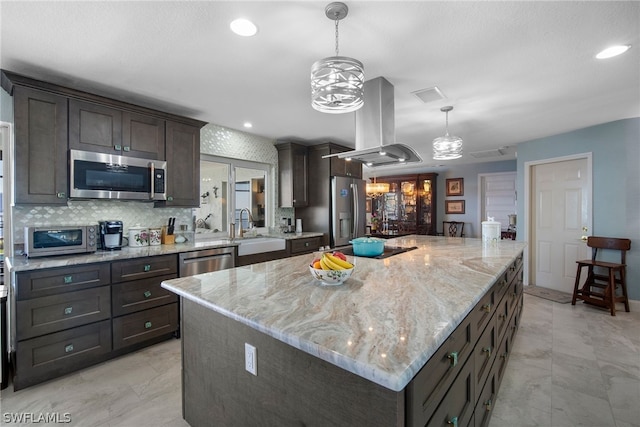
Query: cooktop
[388, 251]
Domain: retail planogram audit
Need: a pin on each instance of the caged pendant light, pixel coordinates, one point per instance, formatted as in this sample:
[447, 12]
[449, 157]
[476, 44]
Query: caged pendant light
[337, 82]
[447, 147]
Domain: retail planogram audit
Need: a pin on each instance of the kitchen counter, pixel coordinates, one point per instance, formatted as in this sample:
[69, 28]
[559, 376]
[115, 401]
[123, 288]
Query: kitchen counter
[22, 263]
[383, 324]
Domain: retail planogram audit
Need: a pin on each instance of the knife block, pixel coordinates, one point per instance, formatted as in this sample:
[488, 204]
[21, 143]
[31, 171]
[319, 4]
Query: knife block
[167, 239]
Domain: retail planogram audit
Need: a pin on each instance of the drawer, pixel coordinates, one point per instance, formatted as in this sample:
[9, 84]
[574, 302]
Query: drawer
[512, 270]
[143, 325]
[486, 399]
[140, 268]
[429, 386]
[503, 314]
[52, 355]
[129, 297]
[501, 287]
[502, 357]
[483, 312]
[484, 354]
[52, 281]
[55, 313]
[306, 245]
[456, 409]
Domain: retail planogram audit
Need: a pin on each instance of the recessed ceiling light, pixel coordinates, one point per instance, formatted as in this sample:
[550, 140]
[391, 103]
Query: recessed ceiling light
[243, 27]
[612, 51]
[248, 125]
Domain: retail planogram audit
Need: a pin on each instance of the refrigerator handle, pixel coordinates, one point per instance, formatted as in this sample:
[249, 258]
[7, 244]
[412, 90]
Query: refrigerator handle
[356, 217]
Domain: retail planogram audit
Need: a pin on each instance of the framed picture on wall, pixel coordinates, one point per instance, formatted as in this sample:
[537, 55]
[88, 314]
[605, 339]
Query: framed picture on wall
[368, 205]
[455, 187]
[454, 206]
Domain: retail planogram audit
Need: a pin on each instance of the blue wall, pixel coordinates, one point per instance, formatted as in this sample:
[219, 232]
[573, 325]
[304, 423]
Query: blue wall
[615, 150]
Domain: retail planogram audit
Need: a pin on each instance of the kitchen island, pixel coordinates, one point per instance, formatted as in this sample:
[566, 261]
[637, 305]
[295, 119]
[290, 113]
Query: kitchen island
[418, 338]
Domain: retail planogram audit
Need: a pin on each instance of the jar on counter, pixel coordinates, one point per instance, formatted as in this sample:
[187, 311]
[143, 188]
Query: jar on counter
[138, 236]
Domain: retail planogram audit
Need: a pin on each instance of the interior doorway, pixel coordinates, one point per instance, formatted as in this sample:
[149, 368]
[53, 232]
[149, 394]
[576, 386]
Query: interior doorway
[498, 197]
[558, 213]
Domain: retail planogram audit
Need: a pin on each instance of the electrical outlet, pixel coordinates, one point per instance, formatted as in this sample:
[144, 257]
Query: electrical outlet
[250, 359]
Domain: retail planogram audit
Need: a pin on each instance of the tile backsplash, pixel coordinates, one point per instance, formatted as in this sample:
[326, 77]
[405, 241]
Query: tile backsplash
[82, 212]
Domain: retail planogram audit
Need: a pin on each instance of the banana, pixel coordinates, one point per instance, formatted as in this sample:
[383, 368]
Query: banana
[332, 265]
[324, 265]
[339, 261]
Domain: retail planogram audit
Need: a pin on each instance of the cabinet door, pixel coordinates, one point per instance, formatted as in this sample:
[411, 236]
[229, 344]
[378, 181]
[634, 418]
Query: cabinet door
[293, 165]
[183, 165]
[41, 147]
[427, 204]
[94, 127]
[143, 136]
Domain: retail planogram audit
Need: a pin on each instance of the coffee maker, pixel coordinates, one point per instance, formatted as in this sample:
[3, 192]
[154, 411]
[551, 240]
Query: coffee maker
[110, 235]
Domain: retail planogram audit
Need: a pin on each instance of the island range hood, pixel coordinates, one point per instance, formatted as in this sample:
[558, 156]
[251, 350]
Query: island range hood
[375, 129]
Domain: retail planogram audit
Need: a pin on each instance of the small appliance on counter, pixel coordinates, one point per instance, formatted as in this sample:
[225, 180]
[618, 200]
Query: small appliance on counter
[110, 235]
[59, 240]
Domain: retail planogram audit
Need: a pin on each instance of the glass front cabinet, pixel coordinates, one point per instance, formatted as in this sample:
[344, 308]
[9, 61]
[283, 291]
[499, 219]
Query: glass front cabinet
[408, 208]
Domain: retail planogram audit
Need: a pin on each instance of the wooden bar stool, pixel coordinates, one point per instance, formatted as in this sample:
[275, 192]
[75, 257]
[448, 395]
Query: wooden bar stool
[600, 289]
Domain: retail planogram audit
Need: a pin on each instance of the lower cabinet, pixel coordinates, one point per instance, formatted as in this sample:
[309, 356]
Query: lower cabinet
[69, 318]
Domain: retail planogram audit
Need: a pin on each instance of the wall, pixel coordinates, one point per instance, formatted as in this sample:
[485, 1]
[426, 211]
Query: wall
[219, 141]
[615, 149]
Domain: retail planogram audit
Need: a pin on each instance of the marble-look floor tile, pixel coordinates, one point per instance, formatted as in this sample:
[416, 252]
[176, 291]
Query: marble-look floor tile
[573, 408]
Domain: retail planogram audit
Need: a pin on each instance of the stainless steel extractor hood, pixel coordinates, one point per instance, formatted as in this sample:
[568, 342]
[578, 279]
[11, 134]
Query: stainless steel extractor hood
[375, 129]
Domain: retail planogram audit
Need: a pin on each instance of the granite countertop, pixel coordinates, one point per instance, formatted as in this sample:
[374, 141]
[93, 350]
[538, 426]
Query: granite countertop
[22, 263]
[383, 323]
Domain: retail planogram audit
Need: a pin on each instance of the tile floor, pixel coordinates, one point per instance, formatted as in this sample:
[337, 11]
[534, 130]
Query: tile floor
[570, 366]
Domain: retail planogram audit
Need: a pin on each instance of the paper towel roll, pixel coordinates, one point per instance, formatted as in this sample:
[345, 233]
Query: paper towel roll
[298, 226]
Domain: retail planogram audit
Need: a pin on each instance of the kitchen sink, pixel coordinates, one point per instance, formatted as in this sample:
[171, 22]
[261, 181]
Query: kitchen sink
[257, 245]
[388, 251]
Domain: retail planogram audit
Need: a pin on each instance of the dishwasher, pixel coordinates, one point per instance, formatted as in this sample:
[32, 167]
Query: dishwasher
[204, 261]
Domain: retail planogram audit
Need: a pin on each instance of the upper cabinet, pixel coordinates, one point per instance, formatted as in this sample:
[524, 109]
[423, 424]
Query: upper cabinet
[50, 119]
[103, 129]
[343, 167]
[293, 168]
[410, 204]
[40, 147]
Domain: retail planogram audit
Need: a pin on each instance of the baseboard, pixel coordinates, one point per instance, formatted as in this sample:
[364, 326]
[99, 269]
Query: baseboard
[634, 305]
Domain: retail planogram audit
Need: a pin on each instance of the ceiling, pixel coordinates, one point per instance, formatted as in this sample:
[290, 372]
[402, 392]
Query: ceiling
[514, 71]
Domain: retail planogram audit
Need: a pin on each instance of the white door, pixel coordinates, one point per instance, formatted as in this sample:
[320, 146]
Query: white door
[498, 198]
[560, 208]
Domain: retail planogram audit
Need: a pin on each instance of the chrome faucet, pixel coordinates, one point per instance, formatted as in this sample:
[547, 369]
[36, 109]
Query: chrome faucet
[241, 231]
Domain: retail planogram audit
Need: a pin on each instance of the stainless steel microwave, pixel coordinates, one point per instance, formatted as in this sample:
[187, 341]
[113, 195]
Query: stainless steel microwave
[60, 240]
[108, 176]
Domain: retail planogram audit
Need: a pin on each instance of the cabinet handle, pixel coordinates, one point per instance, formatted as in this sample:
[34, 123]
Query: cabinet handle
[502, 316]
[487, 405]
[169, 198]
[117, 147]
[504, 355]
[453, 422]
[61, 195]
[126, 148]
[453, 357]
[488, 351]
[147, 294]
[487, 308]
[306, 245]
[147, 325]
[68, 310]
[68, 279]
[68, 348]
[147, 267]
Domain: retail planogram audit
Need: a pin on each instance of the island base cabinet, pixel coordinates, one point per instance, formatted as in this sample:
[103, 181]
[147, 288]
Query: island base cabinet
[292, 388]
[142, 326]
[50, 356]
[456, 409]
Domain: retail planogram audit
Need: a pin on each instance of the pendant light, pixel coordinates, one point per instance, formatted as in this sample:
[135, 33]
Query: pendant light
[376, 189]
[447, 147]
[337, 82]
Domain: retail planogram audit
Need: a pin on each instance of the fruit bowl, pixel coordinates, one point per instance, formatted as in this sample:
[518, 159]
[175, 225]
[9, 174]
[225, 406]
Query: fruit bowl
[331, 277]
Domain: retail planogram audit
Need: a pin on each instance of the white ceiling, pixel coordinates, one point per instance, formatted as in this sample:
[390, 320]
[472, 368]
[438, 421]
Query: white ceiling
[514, 71]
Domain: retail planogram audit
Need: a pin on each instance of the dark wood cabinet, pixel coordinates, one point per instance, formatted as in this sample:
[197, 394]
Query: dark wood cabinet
[103, 129]
[183, 165]
[293, 173]
[40, 147]
[409, 206]
[343, 167]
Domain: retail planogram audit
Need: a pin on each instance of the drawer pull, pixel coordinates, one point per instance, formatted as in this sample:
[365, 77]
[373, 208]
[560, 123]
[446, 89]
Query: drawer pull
[487, 405]
[453, 357]
[147, 294]
[68, 348]
[117, 147]
[306, 245]
[453, 422]
[502, 316]
[68, 310]
[488, 351]
[147, 267]
[68, 279]
[504, 355]
[487, 308]
[126, 148]
[61, 195]
[147, 325]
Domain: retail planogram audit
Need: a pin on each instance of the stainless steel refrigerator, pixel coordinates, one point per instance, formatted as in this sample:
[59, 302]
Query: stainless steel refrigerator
[348, 196]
